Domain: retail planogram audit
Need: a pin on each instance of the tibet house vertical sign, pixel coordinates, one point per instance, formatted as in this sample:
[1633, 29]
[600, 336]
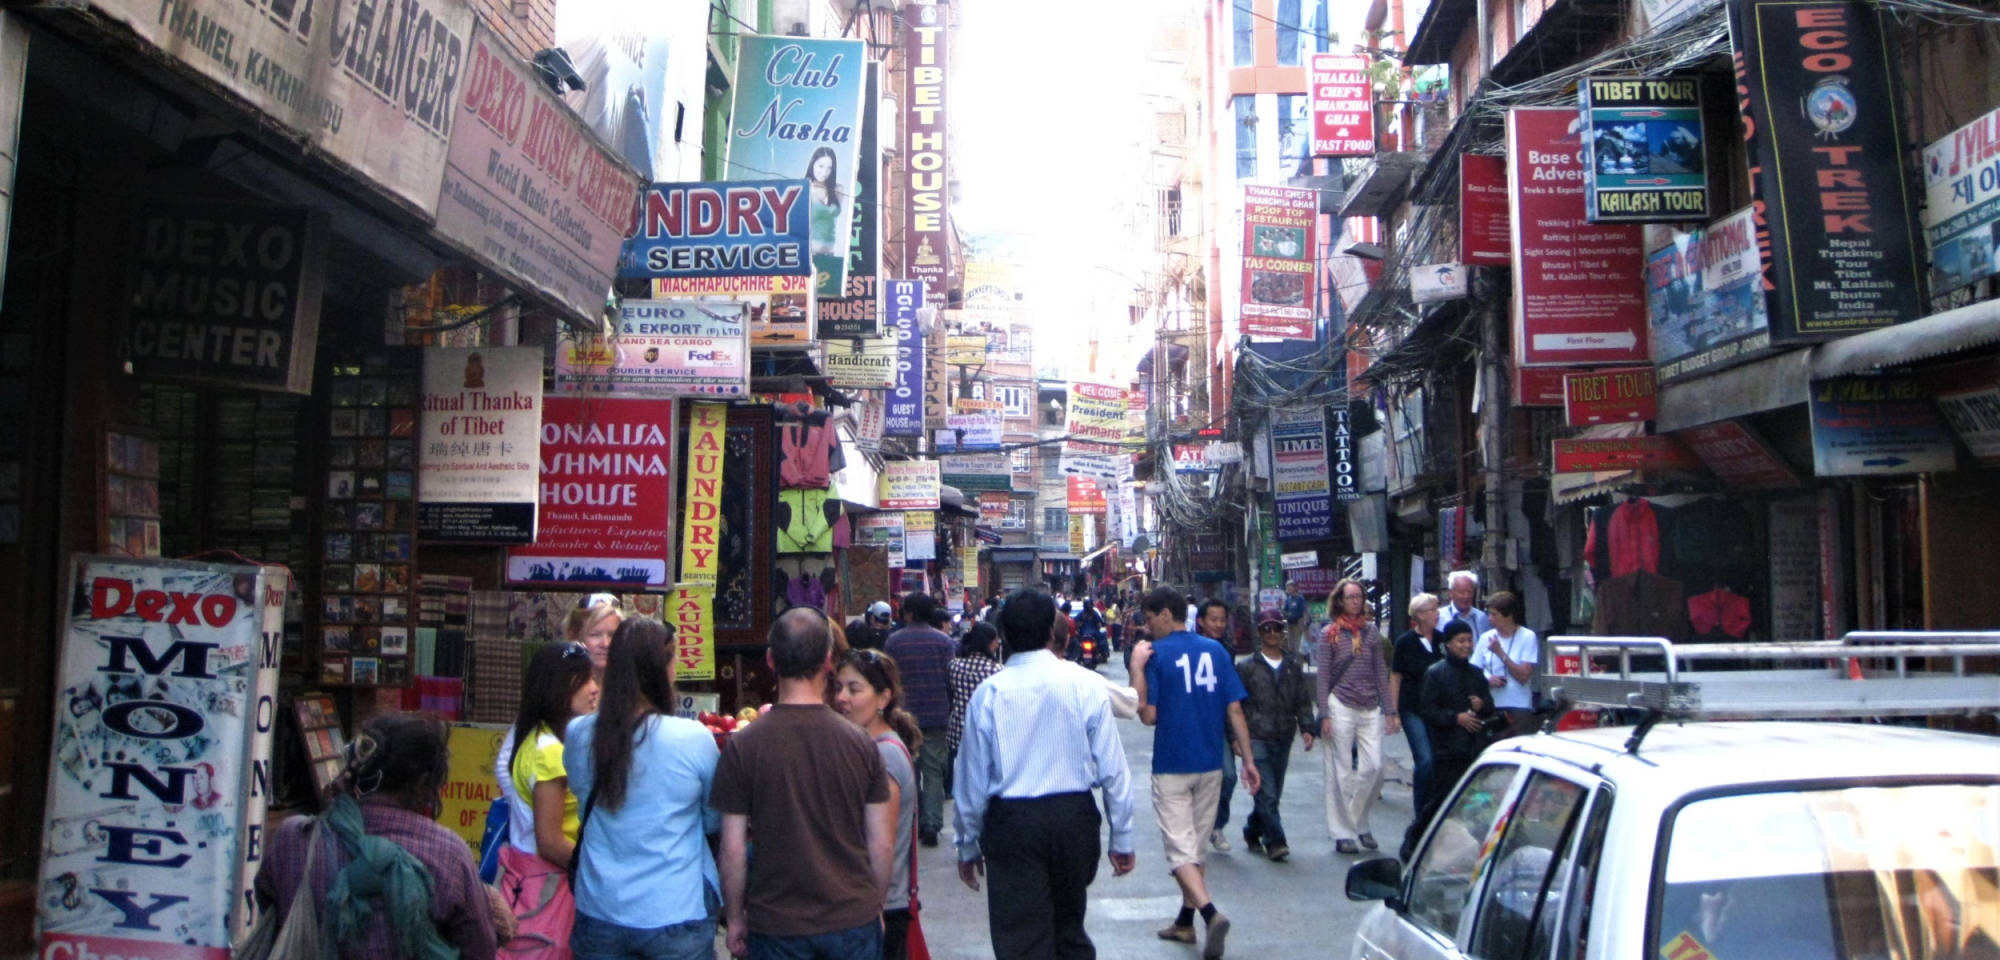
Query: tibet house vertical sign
[1825, 142]
[926, 255]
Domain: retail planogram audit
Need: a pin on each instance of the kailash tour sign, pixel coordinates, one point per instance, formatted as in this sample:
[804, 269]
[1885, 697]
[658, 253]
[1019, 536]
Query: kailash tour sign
[797, 113]
[226, 293]
[1343, 106]
[1962, 203]
[1705, 298]
[1816, 91]
[1279, 250]
[1579, 294]
[1301, 484]
[905, 415]
[754, 228]
[606, 495]
[856, 311]
[1645, 160]
[927, 203]
[1096, 418]
[528, 189]
[478, 463]
[701, 519]
[166, 703]
[681, 347]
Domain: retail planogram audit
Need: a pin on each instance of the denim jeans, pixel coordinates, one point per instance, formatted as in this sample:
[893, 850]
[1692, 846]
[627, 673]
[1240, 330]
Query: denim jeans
[594, 939]
[932, 761]
[1229, 762]
[1271, 757]
[1419, 737]
[859, 943]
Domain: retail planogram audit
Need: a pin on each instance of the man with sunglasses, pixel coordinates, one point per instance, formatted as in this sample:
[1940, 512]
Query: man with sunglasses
[1280, 702]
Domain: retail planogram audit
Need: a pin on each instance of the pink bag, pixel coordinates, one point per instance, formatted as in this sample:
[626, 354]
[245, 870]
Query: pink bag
[538, 893]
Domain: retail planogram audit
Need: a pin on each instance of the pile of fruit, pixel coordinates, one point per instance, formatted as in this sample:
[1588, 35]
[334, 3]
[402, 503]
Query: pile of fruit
[723, 724]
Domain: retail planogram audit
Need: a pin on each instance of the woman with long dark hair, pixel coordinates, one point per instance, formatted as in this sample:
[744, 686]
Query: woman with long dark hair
[646, 883]
[542, 814]
[388, 880]
[978, 657]
[871, 697]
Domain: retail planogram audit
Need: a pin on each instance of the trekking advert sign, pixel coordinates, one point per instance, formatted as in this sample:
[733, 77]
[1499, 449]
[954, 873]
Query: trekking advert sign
[159, 786]
[1705, 298]
[1645, 160]
[1820, 119]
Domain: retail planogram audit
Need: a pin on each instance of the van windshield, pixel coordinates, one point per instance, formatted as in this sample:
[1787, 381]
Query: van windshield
[1854, 872]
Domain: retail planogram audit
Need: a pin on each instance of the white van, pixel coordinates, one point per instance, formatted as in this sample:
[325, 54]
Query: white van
[1741, 840]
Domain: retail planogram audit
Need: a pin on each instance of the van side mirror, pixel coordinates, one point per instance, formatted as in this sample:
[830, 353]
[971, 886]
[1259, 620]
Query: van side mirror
[1378, 879]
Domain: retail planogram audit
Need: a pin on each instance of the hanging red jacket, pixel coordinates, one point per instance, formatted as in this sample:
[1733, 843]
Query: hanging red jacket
[1635, 539]
[1720, 614]
[807, 448]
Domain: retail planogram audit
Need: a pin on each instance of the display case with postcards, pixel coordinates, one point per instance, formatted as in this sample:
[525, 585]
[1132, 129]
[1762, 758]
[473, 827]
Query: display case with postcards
[131, 495]
[319, 725]
[368, 540]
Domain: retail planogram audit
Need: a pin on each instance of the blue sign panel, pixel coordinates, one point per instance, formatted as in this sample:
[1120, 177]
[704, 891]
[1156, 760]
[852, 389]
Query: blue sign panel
[750, 228]
[1868, 426]
[901, 299]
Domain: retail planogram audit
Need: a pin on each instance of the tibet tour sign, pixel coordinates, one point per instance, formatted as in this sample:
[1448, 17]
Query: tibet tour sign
[529, 192]
[1279, 246]
[1343, 106]
[1705, 298]
[750, 228]
[905, 415]
[226, 293]
[606, 495]
[797, 113]
[910, 485]
[1608, 395]
[166, 702]
[1645, 159]
[701, 520]
[927, 196]
[1579, 288]
[683, 347]
[1962, 203]
[478, 458]
[1826, 167]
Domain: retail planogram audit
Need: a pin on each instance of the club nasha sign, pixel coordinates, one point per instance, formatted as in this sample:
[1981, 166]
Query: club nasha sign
[857, 311]
[753, 228]
[796, 113]
[165, 709]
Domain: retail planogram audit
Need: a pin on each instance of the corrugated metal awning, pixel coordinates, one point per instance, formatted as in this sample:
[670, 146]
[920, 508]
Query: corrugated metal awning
[1973, 325]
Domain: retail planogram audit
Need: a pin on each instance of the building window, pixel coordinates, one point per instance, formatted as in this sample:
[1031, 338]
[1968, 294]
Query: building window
[1017, 516]
[1022, 461]
[1302, 31]
[1243, 24]
[1052, 414]
[1013, 400]
[1246, 135]
[1055, 518]
[1294, 134]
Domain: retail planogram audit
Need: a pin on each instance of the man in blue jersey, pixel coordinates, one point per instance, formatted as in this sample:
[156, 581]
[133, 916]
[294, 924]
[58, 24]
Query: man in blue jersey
[1188, 688]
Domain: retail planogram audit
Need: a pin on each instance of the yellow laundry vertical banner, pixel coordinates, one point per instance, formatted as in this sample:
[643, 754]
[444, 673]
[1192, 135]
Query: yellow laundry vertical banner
[701, 524]
[691, 610]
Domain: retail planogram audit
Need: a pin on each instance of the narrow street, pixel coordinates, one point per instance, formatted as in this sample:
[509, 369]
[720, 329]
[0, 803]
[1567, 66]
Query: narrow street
[1291, 909]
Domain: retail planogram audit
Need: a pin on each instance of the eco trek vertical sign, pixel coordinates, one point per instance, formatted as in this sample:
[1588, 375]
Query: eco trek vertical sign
[927, 209]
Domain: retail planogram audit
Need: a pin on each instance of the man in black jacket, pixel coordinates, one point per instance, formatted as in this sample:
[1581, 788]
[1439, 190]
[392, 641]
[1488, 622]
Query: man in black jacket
[1281, 702]
[1456, 709]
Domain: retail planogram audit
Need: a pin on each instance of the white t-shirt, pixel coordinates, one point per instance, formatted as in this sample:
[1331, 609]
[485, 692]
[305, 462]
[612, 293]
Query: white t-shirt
[1275, 664]
[1522, 647]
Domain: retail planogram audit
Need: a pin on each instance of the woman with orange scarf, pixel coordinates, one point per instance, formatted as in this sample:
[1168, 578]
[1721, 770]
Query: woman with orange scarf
[1356, 707]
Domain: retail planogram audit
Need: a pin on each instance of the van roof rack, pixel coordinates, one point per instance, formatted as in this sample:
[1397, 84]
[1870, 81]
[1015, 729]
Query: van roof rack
[1863, 674]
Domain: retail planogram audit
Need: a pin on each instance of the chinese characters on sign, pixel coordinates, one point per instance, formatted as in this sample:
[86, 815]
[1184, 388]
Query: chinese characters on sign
[477, 473]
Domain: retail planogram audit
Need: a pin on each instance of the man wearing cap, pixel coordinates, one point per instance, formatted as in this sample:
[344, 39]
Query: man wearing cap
[871, 630]
[1280, 703]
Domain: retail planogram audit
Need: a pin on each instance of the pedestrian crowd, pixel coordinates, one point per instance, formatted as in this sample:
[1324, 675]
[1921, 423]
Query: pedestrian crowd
[628, 832]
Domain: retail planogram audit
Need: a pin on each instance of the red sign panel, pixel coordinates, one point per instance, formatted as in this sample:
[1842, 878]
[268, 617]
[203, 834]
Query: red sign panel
[1280, 244]
[1343, 106]
[1538, 387]
[606, 492]
[1739, 456]
[1085, 496]
[1586, 454]
[1484, 235]
[1579, 287]
[1609, 395]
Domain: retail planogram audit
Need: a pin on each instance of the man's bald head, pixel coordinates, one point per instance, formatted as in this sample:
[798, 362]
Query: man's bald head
[799, 641]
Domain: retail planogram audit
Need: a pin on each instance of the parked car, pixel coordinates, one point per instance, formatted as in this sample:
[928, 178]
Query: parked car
[1696, 840]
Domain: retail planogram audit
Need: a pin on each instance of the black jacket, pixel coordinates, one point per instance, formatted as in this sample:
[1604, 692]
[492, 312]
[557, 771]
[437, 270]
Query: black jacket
[1281, 701]
[1449, 686]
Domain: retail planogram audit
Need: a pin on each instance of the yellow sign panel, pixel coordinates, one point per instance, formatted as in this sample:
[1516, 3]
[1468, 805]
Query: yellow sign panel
[701, 526]
[962, 350]
[691, 610]
[469, 790]
[969, 554]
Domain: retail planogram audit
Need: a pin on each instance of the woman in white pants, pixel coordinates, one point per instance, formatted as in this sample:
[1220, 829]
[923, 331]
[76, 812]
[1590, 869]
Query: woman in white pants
[1356, 709]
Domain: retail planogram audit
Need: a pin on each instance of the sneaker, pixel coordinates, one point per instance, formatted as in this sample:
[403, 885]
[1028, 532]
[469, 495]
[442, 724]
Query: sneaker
[1218, 930]
[1278, 853]
[1177, 933]
[1218, 840]
[928, 838]
[1368, 842]
[1345, 846]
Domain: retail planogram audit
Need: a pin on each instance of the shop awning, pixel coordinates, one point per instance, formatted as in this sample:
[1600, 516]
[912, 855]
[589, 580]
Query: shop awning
[1011, 556]
[1100, 551]
[1571, 487]
[1754, 387]
[1973, 325]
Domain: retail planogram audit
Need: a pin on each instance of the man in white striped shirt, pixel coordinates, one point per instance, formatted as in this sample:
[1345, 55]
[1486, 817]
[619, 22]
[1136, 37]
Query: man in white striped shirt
[1038, 737]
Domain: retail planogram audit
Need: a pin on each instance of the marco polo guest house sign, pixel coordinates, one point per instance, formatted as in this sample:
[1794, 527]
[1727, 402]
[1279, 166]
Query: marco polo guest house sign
[226, 293]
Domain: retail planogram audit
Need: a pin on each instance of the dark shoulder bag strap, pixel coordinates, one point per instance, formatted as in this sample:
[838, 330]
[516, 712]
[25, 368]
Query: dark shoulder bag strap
[576, 852]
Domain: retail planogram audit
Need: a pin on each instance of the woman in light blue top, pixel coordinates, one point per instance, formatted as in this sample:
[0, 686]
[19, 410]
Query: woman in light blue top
[646, 884]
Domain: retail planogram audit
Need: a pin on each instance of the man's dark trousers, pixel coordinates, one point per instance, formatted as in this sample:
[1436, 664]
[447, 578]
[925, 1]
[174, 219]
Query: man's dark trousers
[1041, 855]
[1272, 758]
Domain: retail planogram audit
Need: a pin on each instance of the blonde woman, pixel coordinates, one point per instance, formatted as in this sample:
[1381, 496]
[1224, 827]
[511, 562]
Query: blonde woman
[1355, 706]
[591, 625]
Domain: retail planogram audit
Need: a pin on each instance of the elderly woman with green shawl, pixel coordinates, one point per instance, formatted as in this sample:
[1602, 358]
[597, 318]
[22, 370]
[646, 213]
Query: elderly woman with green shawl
[387, 879]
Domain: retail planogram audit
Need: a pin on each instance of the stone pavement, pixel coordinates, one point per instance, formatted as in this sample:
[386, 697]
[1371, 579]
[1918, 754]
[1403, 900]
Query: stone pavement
[1291, 909]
